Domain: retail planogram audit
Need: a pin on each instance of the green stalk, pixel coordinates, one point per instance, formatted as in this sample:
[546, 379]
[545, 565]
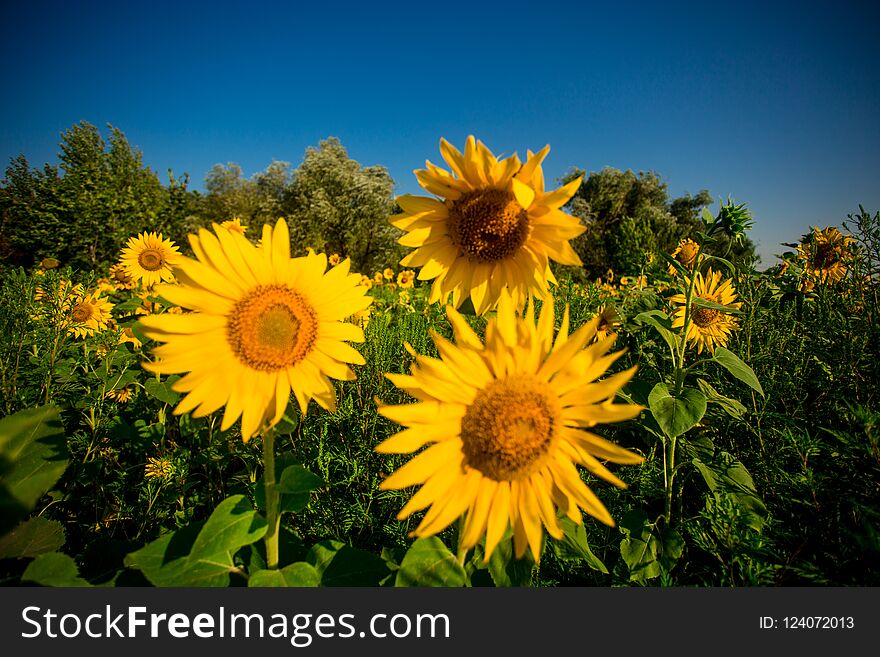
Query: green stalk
[272, 515]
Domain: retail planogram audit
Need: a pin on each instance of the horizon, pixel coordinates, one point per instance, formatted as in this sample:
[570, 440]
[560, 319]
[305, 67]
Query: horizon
[782, 116]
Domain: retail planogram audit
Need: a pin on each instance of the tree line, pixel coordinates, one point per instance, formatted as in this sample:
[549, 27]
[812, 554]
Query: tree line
[83, 209]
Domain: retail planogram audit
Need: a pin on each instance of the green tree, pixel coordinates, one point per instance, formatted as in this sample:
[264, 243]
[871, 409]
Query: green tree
[628, 215]
[83, 210]
[336, 205]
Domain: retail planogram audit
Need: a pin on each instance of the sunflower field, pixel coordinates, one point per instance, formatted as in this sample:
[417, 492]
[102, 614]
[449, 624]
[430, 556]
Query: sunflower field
[234, 407]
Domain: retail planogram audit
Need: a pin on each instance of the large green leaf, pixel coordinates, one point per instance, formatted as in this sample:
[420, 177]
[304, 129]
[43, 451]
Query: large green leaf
[648, 549]
[31, 538]
[724, 475]
[732, 363]
[162, 391]
[429, 562]
[730, 406]
[33, 456]
[574, 545]
[675, 415]
[661, 322]
[53, 569]
[341, 565]
[201, 554]
[300, 574]
[700, 302]
[505, 569]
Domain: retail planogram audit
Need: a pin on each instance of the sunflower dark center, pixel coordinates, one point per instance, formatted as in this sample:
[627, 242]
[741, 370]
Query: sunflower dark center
[488, 224]
[509, 428]
[151, 259]
[825, 255]
[704, 317]
[272, 327]
[81, 312]
[688, 255]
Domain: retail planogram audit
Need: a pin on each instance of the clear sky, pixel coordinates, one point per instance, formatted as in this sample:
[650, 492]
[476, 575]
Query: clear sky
[775, 104]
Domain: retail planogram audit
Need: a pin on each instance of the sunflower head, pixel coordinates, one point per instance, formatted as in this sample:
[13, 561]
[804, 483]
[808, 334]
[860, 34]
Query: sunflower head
[496, 228]
[686, 255]
[506, 422]
[609, 321]
[708, 327]
[160, 468]
[149, 259]
[825, 254]
[88, 314]
[262, 325]
[405, 278]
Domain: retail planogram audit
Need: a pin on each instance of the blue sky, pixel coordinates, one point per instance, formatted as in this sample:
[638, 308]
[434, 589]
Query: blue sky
[774, 104]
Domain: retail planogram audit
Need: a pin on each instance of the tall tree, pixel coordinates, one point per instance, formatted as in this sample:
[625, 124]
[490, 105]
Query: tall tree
[336, 205]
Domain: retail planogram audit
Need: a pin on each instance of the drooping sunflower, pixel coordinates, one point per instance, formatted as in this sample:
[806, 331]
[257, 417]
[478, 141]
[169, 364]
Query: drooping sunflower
[506, 423]
[708, 327]
[121, 395]
[495, 229]
[264, 324]
[825, 254]
[149, 258]
[88, 315]
[686, 255]
[609, 321]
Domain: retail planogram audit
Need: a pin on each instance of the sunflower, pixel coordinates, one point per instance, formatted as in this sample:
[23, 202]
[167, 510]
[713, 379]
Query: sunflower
[264, 324]
[708, 327]
[378, 278]
[367, 282]
[609, 321]
[120, 277]
[159, 468]
[507, 423]
[128, 335]
[122, 395]
[235, 226]
[406, 278]
[825, 254]
[149, 258]
[334, 259]
[497, 228]
[388, 274]
[686, 255]
[88, 314]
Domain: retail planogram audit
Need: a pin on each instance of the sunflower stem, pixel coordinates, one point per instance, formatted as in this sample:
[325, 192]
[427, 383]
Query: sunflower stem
[669, 475]
[272, 515]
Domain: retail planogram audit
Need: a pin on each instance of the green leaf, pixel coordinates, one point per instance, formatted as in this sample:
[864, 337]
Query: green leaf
[429, 562]
[730, 266]
[300, 574]
[201, 554]
[53, 569]
[322, 553]
[353, 567]
[233, 524]
[661, 322]
[574, 545]
[707, 216]
[730, 406]
[162, 391]
[726, 476]
[294, 485]
[121, 379]
[732, 363]
[33, 456]
[676, 415]
[32, 538]
[505, 569]
[648, 549]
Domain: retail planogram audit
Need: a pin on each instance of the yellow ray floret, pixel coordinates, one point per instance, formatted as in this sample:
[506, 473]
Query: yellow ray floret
[504, 424]
[495, 229]
[262, 325]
